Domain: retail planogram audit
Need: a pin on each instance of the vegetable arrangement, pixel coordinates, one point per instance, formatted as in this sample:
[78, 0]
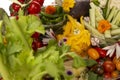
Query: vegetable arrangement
[104, 25]
[53, 43]
[53, 16]
[18, 61]
[105, 42]
[28, 6]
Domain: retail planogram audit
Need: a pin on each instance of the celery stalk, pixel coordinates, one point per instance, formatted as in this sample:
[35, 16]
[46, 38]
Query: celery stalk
[107, 34]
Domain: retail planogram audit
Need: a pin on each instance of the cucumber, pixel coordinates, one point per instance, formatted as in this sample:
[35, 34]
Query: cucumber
[94, 31]
[113, 26]
[117, 18]
[92, 17]
[108, 7]
[111, 15]
[115, 31]
[107, 34]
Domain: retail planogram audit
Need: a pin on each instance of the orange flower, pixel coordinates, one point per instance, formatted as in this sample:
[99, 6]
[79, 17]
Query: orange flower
[50, 9]
[103, 26]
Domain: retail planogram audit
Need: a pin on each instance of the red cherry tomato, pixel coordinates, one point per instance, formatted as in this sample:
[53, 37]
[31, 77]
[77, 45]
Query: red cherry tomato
[15, 7]
[39, 1]
[36, 44]
[108, 66]
[101, 52]
[35, 35]
[34, 8]
[107, 75]
[21, 1]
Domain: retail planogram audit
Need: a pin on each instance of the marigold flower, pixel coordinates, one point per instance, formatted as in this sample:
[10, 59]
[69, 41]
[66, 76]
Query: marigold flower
[67, 4]
[50, 9]
[103, 26]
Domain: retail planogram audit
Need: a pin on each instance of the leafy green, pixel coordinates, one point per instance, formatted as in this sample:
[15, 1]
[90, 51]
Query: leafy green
[79, 62]
[16, 54]
[90, 62]
[92, 76]
[17, 59]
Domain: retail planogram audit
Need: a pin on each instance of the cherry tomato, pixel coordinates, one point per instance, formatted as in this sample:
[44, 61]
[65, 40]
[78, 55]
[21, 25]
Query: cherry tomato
[21, 1]
[109, 66]
[15, 7]
[36, 44]
[115, 60]
[101, 52]
[115, 74]
[34, 8]
[93, 53]
[35, 35]
[39, 1]
[118, 66]
[107, 75]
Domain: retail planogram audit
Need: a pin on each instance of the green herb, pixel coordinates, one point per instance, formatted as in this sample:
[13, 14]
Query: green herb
[90, 62]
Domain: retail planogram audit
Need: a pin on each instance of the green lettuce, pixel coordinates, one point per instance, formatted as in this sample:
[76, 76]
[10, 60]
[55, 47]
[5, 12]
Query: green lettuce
[18, 61]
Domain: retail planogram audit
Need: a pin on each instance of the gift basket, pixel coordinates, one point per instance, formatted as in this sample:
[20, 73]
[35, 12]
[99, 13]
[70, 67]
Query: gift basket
[67, 40]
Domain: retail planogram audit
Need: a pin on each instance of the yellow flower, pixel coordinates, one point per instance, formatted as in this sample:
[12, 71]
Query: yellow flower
[67, 4]
[78, 38]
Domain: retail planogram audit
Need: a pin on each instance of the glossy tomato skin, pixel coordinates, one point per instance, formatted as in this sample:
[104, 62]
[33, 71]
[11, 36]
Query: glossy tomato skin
[21, 1]
[108, 66]
[34, 8]
[115, 74]
[101, 52]
[15, 7]
[93, 53]
[107, 75]
[39, 1]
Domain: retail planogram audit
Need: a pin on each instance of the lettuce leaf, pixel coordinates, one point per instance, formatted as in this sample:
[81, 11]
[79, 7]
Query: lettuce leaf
[17, 59]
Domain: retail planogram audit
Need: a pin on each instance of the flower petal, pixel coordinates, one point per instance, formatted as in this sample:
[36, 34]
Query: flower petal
[112, 52]
[117, 50]
[109, 52]
[109, 47]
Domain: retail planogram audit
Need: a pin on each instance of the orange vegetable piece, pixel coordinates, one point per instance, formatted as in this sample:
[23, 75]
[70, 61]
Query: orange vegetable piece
[50, 9]
[118, 66]
[103, 26]
[115, 74]
[93, 53]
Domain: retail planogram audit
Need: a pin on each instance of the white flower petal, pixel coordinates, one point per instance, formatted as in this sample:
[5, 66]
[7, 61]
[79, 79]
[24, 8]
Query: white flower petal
[109, 47]
[117, 50]
[112, 52]
[109, 52]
